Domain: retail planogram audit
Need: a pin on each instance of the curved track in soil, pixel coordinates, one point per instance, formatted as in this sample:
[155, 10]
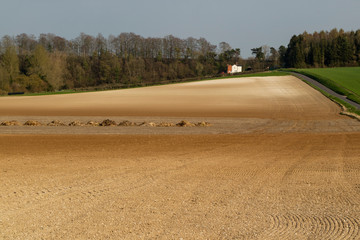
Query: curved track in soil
[288, 186]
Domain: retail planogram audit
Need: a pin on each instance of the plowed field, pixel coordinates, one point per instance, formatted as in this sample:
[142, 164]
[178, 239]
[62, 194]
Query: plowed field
[270, 97]
[279, 162]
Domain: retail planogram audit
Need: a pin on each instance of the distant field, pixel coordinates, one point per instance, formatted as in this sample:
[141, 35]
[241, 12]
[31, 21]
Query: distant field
[70, 91]
[345, 81]
[262, 97]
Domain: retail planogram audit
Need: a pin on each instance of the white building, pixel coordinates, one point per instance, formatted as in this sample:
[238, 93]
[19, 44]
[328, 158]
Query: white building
[234, 69]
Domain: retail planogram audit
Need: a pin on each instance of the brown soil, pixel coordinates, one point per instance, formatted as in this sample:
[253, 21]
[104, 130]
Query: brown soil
[253, 186]
[277, 162]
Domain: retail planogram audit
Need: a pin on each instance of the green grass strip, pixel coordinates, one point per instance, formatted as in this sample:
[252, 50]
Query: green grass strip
[325, 77]
[349, 107]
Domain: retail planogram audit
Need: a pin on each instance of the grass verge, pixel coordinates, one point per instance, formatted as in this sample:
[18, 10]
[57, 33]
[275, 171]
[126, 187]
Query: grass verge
[347, 109]
[50, 93]
[346, 84]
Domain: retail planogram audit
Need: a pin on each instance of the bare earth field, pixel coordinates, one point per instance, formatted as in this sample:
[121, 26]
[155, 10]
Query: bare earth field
[270, 98]
[278, 162]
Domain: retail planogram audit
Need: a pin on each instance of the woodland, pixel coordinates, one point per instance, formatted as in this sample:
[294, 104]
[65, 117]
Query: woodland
[50, 63]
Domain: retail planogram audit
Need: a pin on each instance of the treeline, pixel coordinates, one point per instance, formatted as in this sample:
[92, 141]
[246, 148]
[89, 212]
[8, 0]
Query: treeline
[50, 62]
[336, 48]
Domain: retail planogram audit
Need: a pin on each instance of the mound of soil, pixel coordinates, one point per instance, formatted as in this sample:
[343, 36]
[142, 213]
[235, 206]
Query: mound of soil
[56, 123]
[165, 124]
[10, 123]
[127, 123]
[108, 123]
[147, 124]
[92, 123]
[32, 123]
[203, 124]
[76, 123]
[185, 123]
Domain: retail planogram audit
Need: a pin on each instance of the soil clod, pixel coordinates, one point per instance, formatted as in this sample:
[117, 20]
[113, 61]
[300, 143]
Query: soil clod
[56, 123]
[147, 124]
[108, 123]
[76, 124]
[127, 124]
[32, 123]
[203, 124]
[10, 123]
[165, 124]
[92, 123]
[185, 123]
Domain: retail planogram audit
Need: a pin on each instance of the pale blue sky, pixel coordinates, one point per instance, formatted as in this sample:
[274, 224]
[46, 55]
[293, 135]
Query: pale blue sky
[243, 24]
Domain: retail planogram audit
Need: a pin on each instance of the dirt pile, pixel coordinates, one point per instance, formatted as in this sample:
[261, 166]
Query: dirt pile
[127, 123]
[107, 123]
[185, 123]
[10, 123]
[76, 124]
[33, 123]
[147, 124]
[92, 123]
[166, 124]
[56, 123]
[203, 124]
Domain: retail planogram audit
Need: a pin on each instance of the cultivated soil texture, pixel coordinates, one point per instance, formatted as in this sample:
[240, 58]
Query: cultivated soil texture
[276, 161]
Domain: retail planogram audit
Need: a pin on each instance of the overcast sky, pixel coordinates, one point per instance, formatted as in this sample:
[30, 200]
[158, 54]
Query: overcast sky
[243, 24]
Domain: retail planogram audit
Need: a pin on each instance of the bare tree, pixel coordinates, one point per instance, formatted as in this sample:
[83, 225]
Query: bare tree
[224, 46]
[25, 43]
[100, 44]
[266, 51]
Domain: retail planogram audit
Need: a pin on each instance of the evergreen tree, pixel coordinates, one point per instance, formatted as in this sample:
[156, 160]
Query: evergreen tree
[282, 55]
[331, 49]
